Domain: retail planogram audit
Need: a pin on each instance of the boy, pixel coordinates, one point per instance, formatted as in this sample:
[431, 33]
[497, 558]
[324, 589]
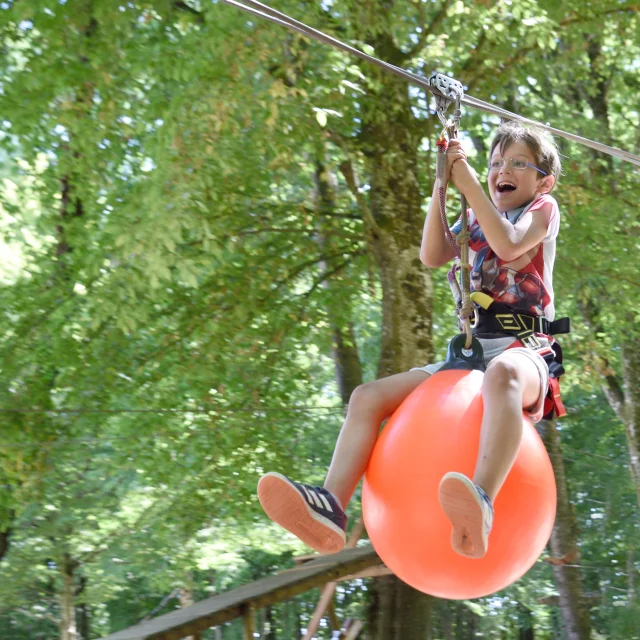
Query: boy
[512, 250]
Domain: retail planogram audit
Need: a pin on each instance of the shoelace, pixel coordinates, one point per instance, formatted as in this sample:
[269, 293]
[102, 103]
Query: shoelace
[487, 500]
[317, 496]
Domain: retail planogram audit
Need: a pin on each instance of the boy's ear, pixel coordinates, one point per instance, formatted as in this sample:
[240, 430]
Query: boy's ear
[546, 184]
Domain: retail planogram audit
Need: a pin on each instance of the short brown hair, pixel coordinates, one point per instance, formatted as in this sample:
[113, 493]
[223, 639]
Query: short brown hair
[539, 142]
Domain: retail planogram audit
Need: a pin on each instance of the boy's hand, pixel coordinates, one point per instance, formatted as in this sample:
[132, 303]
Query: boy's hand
[458, 169]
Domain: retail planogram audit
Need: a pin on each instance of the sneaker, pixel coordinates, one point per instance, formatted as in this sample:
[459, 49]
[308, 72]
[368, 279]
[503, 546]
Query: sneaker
[310, 513]
[470, 510]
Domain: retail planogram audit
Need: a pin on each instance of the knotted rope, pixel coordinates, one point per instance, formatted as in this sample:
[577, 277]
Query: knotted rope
[460, 244]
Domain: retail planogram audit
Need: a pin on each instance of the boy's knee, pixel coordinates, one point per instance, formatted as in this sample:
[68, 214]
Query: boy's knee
[373, 401]
[364, 396]
[502, 373]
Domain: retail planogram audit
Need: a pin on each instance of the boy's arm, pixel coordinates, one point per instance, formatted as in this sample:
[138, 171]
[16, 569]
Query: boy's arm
[435, 250]
[506, 241]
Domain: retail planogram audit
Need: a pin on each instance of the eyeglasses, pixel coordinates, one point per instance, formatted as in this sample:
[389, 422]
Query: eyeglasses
[515, 164]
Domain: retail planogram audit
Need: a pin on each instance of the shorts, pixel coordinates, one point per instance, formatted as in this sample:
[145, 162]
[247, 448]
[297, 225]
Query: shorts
[493, 347]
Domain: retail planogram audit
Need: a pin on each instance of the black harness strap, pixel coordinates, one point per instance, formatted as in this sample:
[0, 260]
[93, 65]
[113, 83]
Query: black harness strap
[525, 327]
[520, 325]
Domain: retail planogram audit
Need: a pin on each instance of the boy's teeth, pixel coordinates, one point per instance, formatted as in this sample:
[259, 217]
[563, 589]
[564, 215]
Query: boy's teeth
[506, 186]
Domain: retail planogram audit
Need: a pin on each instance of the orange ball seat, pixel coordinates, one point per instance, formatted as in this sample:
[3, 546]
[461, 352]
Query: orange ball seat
[436, 430]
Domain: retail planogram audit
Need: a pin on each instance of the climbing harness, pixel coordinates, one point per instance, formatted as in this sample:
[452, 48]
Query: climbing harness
[478, 313]
[496, 317]
[263, 11]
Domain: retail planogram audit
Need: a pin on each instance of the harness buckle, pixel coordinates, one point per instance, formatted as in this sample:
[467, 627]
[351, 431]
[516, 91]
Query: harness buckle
[530, 341]
[547, 353]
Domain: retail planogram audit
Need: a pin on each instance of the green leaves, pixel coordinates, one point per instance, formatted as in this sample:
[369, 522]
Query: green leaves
[167, 319]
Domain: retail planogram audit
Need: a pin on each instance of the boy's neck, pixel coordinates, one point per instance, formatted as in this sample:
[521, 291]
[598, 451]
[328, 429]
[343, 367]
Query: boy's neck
[535, 196]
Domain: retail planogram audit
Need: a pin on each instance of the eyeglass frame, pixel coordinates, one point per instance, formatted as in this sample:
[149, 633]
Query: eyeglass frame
[511, 161]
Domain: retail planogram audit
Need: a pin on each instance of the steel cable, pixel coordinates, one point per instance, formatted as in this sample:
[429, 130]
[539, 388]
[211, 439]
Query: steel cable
[263, 11]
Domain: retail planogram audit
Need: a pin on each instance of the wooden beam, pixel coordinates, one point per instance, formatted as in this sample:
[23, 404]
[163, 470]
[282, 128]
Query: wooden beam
[371, 572]
[305, 558]
[329, 589]
[233, 604]
[354, 630]
[325, 599]
[333, 618]
[354, 536]
[356, 533]
[249, 619]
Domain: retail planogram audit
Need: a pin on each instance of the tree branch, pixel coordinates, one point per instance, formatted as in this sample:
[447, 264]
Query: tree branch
[509, 62]
[327, 274]
[296, 230]
[573, 19]
[38, 616]
[348, 172]
[611, 385]
[294, 273]
[180, 5]
[164, 601]
[425, 31]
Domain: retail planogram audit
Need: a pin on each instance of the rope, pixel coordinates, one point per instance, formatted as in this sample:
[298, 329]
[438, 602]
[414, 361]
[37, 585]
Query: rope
[263, 11]
[460, 244]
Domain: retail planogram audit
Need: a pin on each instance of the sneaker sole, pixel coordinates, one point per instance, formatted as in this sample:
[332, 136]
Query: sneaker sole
[458, 500]
[284, 504]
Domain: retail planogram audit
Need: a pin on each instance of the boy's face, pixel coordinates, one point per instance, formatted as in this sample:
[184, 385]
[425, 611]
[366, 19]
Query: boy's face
[510, 187]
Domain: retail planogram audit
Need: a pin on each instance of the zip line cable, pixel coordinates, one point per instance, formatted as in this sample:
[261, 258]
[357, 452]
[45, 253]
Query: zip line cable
[263, 11]
[53, 444]
[211, 410]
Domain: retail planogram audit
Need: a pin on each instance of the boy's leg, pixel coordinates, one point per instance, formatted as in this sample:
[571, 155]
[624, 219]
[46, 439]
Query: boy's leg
[315, 514]
[369, 406]
[514, 381]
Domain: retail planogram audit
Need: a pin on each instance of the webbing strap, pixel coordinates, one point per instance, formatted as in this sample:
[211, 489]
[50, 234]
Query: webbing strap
[519, 323]
[263, 11]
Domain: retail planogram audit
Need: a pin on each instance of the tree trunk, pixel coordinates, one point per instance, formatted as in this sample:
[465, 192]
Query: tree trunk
[630, 410]
[470, 622]
[564, 545]
[68, 629]
[5, 536]
[399, 612]
[185, 596]
[396, 210]
[622, 392]
[447, 622]
[82, 611]
[631, 575]
[389, 141]
[268, 628]
[344, 347]
[525, 627]
[297, 620]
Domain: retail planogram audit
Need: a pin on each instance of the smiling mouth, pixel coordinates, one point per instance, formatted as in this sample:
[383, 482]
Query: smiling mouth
[505, 187]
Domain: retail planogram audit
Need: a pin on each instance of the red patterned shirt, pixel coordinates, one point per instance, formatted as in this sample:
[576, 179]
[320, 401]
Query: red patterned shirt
[525, 284]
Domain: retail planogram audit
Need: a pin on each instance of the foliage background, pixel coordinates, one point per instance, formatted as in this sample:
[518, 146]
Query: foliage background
[166, 315]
